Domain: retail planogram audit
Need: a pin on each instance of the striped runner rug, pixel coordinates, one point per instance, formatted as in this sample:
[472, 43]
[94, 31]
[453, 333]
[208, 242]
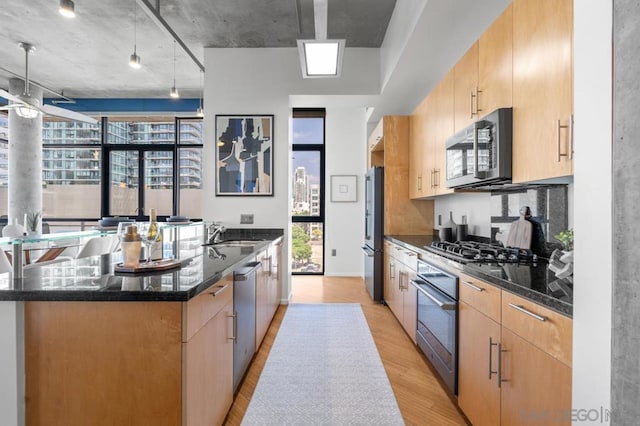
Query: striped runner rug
[323, 369]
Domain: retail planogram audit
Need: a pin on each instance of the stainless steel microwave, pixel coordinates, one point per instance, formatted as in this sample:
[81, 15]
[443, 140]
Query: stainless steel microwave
[480, 154]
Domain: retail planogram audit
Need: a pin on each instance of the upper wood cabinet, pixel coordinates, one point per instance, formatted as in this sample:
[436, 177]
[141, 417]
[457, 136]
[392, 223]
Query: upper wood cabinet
[542, 89]
[441, 126]
[376, 145]
[465, 84]
[431, 125]
[419, 153]
[495, 65]
[484, 75]
[402, 216]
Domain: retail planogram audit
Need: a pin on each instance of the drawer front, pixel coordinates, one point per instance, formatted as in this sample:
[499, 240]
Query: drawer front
[409, 258]
[199, 310]
[483, 296]
[544, 328]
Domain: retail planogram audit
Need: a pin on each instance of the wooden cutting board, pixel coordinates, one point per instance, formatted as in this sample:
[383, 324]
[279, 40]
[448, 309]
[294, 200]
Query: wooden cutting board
[520, 234]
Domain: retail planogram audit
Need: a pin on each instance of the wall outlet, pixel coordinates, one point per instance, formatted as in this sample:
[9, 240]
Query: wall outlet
[246, 219]
[333, 252]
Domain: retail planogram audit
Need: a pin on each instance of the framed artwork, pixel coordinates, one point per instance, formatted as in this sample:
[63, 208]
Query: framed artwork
[244, 155]
[344, 188]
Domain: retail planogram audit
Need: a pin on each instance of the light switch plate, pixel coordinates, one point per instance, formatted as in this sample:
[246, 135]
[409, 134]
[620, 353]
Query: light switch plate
[246, 219]
[333, 252]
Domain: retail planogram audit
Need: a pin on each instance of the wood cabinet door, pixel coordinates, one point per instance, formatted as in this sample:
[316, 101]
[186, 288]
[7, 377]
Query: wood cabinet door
[392, 296]
[542, 89]
[418, 145]
[208, 366]
[276, 276]
[478, 391]
[537, 387]
[410, 308]
[495, 65]
[465, 87]
[443, 113]
[262, 298]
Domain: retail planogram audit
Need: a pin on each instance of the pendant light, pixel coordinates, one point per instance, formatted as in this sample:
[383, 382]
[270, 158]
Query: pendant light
[200, 110]
[174, 92]
[67, 9]
[134, 59]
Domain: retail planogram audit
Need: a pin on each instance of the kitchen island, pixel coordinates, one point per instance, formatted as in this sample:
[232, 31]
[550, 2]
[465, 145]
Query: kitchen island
[104, 348]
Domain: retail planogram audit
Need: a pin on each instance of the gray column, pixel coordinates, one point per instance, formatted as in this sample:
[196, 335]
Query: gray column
[25, 158]
[625, 349]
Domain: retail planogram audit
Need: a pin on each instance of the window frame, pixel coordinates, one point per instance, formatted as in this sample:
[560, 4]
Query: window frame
[321, 148]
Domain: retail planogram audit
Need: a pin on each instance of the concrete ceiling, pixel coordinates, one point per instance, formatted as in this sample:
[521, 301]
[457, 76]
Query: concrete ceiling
[87, 57]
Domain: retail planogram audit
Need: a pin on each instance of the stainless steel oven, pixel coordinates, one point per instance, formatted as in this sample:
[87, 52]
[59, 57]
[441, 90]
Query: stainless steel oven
[438, 320]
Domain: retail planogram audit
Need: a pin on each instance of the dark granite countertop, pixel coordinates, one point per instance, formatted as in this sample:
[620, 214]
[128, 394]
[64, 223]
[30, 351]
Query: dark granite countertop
[534, 282]
[94, 279]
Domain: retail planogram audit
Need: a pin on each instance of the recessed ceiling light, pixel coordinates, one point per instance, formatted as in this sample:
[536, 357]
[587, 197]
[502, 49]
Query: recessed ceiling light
[67, 9]
[321, 58]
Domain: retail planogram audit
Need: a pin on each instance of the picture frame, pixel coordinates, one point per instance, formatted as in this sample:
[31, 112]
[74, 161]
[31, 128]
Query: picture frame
[244, 154]
[344, 188]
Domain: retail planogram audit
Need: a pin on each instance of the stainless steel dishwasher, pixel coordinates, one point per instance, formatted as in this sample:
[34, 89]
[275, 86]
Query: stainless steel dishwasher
[244, 307]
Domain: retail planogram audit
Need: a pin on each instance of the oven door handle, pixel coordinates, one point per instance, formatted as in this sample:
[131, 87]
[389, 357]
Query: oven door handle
[442, 303]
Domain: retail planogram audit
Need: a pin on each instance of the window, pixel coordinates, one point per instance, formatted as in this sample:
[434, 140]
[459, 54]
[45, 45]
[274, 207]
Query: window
[159, 152]
[134, 164]
[307, 180]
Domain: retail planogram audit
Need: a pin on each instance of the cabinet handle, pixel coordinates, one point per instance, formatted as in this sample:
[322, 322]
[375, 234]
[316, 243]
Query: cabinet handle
[235, 327]
[500, 352]
[571, 137]
[524, 311]
[558, 128]
[392, 266]
[473, 286]
[400, 280]
[219, 290]
[419, 183]
[471, 96]
[436, 181]
[433, 178]
[269, 260]
[478, 91]
[410, 253]
[491, 345]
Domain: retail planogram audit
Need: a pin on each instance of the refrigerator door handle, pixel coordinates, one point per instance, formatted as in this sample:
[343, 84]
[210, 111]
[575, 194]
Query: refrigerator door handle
[367, 251]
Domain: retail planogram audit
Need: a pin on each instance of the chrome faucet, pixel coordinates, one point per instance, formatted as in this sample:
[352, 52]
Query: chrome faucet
[214, 232]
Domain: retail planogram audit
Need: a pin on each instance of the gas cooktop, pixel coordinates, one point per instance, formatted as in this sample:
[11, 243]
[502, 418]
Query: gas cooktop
[476, 252]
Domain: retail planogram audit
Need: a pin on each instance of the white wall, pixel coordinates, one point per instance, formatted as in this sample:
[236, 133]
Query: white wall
[269, 81]
[476, 206]
[345, 155]
[592, 313]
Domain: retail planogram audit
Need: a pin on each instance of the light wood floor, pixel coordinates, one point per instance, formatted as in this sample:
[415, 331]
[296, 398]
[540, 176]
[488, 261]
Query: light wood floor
[420, 396]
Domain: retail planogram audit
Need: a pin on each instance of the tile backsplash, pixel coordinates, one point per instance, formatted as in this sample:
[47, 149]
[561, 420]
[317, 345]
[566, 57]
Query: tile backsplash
[489, 213]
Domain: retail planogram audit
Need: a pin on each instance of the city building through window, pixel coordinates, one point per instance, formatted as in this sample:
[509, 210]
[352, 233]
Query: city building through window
[88, 173]
[307, 215]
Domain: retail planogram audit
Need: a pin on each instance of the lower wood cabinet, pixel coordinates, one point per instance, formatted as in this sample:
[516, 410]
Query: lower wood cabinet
[130, 363]
[268, 289]
[514, 363]
[478, 390]
[536, 388]
[399, 295]
[208, 390]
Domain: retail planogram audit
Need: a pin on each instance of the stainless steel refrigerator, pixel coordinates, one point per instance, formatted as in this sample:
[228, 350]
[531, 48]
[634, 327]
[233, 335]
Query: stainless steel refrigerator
[373, 232]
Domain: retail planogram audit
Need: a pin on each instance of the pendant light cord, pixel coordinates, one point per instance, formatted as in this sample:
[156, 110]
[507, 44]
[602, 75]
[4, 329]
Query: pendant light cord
[174, 63]
[135, 26]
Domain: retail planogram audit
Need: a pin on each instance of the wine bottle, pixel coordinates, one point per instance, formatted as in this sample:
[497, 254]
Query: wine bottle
[156, 249]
